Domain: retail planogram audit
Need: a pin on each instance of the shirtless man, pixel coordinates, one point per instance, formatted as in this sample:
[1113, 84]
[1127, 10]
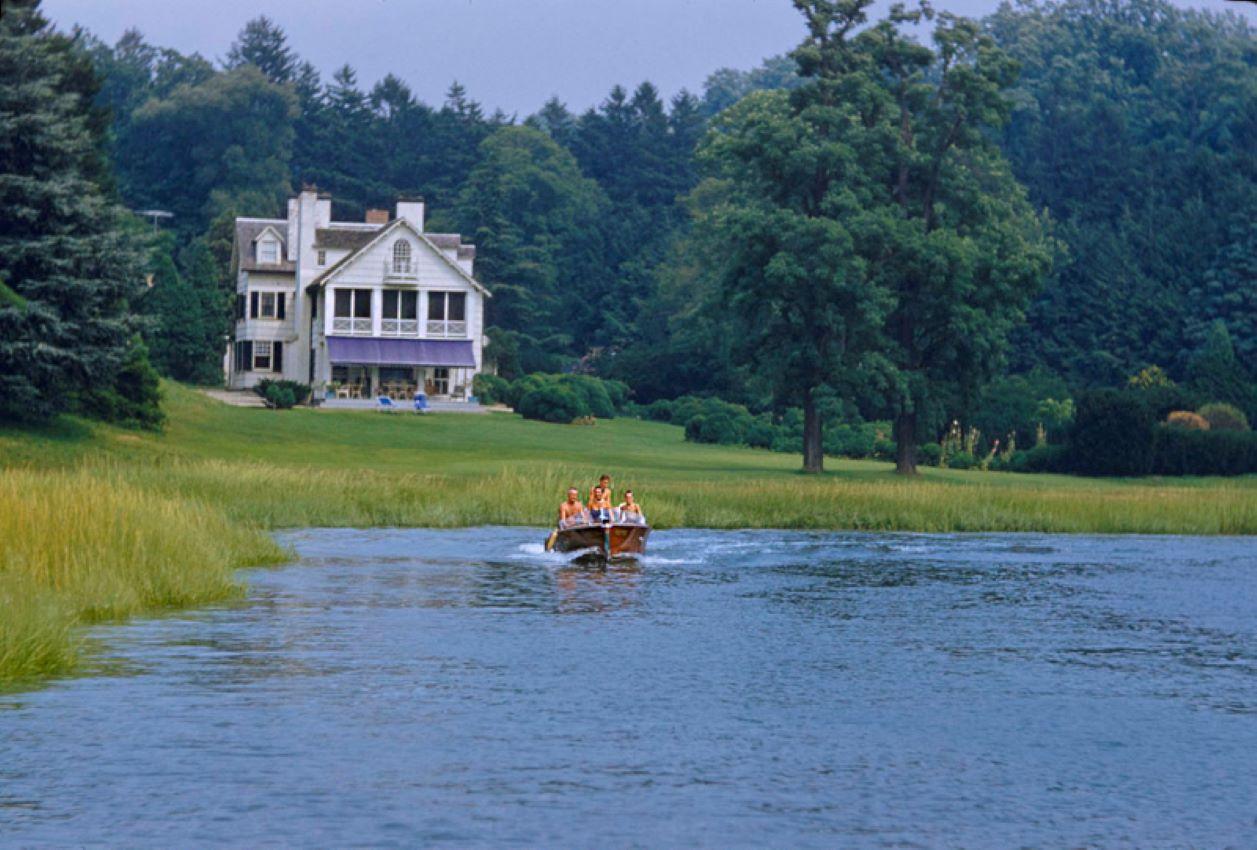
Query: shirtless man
[600, 505]
[629, 510]
[605, 483]
[571, 511]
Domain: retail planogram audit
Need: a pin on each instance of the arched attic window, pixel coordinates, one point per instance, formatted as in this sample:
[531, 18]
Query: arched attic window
[401, 256]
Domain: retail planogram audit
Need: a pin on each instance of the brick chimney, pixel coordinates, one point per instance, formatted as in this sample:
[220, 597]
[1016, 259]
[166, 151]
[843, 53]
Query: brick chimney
[377, 216]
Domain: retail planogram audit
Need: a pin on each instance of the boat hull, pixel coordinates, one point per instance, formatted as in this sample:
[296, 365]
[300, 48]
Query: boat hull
[612, 541]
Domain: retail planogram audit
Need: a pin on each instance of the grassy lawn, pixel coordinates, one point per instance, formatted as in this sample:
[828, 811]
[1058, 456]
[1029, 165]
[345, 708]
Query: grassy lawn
[99, 522]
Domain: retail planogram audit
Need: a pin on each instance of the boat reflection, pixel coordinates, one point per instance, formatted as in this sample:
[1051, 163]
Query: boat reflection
[590, 588]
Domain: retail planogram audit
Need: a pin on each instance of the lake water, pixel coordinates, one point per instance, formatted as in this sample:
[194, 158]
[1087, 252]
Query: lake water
[734, 689]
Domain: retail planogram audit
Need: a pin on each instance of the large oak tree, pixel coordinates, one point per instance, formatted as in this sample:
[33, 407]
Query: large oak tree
[873, 234]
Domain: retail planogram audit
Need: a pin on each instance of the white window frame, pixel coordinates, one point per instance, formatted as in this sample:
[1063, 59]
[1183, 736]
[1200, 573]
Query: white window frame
[395, 324]
[401, 257]
[263, 312]
[445, 326]
[322, 259]
[353, 323]
[258, 347]
[268, 252]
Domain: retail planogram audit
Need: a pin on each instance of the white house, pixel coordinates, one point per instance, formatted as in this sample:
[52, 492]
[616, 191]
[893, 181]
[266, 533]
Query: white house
[355, 309]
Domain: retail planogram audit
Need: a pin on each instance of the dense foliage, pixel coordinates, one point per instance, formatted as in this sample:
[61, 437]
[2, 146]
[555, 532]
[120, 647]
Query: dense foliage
[69, 257]
[561, 398]
[1131, 124]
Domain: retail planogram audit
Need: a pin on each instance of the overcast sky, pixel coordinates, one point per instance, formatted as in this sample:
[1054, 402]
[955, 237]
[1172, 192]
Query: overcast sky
[511, 54]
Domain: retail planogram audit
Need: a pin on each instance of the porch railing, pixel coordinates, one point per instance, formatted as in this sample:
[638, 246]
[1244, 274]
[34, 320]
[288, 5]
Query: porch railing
[438, 327]
[344, 325]
[399, 327]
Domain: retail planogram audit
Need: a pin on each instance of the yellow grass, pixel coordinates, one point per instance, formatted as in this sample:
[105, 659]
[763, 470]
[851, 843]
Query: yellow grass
[98, 523]
[82, 547]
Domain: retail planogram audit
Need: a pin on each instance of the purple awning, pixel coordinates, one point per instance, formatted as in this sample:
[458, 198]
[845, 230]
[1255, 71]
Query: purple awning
[374, 351]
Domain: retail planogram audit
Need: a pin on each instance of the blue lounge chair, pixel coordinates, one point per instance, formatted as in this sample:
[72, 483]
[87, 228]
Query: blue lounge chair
[385, 404]
[421, 402]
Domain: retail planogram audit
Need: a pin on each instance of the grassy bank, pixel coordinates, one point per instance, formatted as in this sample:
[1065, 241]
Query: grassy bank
[81, 547]
[102, 523]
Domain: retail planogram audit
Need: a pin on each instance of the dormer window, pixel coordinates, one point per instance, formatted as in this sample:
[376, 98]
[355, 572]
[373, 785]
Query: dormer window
[401, 256]
[268, 251]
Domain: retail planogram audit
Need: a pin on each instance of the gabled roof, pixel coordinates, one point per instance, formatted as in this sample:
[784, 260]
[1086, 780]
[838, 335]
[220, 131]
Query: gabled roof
[339, 266]
[341, 239]
[247, 232]
[270, 228]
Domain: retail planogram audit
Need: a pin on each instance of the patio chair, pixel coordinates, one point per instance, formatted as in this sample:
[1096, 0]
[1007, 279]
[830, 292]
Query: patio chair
[385, 404]
[421, 403]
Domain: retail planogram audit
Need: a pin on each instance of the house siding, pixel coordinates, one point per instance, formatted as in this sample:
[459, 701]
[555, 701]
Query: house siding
[443, 267]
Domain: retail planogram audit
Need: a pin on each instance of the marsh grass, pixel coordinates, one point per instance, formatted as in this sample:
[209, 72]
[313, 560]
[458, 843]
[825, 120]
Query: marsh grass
[97, 523]
[83, 547]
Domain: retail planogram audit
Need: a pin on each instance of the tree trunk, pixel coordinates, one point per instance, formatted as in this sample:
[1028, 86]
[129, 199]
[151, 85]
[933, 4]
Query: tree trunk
[813, 446]
[906, 443]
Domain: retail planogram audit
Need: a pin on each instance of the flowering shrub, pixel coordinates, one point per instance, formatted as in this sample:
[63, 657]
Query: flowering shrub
[1187, 419]
[1224, 417]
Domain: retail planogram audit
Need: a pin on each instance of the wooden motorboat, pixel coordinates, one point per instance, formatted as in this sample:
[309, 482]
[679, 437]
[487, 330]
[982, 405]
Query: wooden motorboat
[614, 540]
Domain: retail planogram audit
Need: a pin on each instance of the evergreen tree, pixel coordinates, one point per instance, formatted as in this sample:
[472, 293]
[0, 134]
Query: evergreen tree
[185, 334]
[1134, 125]
[264, 45]
[1215, 374]
[1228, 293]
[65, 253]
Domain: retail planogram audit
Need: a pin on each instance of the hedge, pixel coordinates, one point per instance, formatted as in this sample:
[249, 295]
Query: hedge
[1112, 434]
[559, 398]
[1186, 451]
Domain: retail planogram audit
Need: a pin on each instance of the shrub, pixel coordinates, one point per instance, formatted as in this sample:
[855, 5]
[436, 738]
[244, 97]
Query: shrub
[596, 396]
[1163, 400]
[847, 440]
[962, 460]
[658, 411]
[1112, 434]
[686, 408]
[619, 393]
[521, 387]
[271, 390]
[1224, 417]
[550, 402]
[761, 433]
[592, 393]
[1044, 458]
[133, 399]
[1185, 451]
[884, 449]
[1187, 419]
[718, 422]
[1015, 403]
[929, 454]
[490, 389]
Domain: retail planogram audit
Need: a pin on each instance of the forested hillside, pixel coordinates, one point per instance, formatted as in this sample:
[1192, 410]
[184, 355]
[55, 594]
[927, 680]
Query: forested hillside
[1132, 127]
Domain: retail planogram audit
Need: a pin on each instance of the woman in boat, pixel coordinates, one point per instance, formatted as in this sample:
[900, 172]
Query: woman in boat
[630, 511]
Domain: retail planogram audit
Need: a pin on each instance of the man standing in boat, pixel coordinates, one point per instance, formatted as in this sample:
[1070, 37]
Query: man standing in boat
[605, 483]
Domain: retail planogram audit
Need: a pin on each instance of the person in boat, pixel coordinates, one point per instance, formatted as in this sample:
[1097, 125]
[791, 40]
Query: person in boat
[630, 510]
[599, 505]
[605, 483]
[571, 512]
